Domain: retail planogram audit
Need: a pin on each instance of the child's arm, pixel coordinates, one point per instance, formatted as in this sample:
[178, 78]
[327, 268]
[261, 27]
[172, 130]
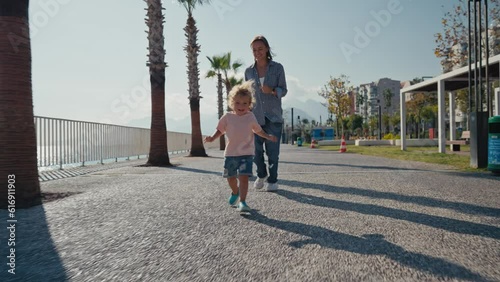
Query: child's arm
[214, 136]
[263, 134]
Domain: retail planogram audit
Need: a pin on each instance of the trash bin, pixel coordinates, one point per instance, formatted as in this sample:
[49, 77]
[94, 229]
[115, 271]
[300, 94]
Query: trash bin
[494, 144]
[299, 141]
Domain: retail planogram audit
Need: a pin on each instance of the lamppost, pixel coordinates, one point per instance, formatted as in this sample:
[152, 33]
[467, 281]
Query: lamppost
[337, 120]
[283, 134]
[379, 123]
[478, 119]
[291, 132]
[299, 127]
[363, 91]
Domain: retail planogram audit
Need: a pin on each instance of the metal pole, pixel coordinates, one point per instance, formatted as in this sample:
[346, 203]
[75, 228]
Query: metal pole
[299, 126]
[480, 35]
[379, 120]
[83, 140]
[489, 104]
[470, 67]
[337, 118]
[283, 135]
[37, 135]
[60, 133]
[291, 133]
[101, 137]
[476, 97]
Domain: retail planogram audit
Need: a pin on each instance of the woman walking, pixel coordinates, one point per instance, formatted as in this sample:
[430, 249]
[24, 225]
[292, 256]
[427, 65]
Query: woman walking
[270, 88]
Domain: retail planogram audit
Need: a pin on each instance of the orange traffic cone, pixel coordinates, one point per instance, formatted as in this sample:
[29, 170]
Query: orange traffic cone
[343, 147]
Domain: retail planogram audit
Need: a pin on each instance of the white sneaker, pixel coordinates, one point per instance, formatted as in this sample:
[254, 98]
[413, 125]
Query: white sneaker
[259, 183]
[271, 187]
[243, 207]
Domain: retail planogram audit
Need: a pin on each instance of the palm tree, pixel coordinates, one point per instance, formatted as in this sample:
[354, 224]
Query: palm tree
[395, 120]
[18, 158]
[373, 123]
[233, 81]
[216, 63]
[158, 150]
[388, 98]
[226, 67]
[192, 49]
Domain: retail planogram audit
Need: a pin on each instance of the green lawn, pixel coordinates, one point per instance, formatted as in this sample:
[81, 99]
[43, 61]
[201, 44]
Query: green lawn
[460, 161]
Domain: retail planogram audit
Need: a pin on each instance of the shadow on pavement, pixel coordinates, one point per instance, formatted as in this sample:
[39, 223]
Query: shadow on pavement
[451, 172]
[36, 257]
[195, 170]
[369, 244]
[448, 224]
[423, 201]
[354, 166]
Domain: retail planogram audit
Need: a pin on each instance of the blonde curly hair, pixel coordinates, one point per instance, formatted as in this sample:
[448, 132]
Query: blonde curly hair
[242, 90]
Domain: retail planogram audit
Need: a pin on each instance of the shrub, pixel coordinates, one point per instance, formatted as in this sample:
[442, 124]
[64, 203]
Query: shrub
[389, 136]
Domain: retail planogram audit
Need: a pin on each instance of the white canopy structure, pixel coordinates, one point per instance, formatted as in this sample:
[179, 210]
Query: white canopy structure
[448, 82]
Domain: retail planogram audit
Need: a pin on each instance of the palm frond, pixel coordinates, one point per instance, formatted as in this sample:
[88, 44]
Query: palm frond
[210, 74]
[190, 5]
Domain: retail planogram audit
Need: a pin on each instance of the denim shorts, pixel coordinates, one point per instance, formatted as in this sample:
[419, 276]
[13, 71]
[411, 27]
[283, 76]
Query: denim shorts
[240, 165]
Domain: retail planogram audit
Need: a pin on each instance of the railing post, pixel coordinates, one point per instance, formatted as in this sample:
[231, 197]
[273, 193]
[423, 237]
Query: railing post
[129, 143]
[83, 126]
[102, 141]
[36, 141]
[60, 143]
[44, 134]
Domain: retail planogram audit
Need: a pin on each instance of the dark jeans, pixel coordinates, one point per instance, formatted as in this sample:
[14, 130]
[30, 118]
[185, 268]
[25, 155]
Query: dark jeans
[272, 150]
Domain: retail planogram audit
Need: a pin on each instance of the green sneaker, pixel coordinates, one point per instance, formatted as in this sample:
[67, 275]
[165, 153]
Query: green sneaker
[232, 200]
[243, 207]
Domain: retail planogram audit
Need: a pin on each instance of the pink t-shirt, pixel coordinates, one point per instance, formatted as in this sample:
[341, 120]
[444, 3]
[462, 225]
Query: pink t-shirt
[239, 132]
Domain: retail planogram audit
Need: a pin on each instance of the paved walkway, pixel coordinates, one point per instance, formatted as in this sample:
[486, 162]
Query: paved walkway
[337, 217]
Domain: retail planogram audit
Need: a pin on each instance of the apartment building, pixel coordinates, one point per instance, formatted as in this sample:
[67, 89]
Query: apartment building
[383, 93]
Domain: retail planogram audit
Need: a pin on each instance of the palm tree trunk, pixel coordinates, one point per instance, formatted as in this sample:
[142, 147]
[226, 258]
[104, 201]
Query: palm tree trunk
[228, 89]
[222, 139]
[158, 150]
[18, 151]
[197, 149]
[192, 48]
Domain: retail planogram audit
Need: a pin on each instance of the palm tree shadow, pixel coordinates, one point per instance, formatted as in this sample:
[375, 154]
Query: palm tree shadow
[368, 244]
[448, 224]
[423, 201]
[368, 167]
[195, 170]
[215, 157]
[36, 256]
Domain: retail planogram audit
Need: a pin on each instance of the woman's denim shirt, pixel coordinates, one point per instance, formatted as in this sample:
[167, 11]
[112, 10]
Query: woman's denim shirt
[266, 105]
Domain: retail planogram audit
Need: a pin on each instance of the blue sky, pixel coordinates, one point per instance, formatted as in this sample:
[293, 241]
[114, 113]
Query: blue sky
[89, 57]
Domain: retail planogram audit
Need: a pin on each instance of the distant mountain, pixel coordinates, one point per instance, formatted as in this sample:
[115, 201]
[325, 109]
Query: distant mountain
[310, 109]
[208, 124]
[296, 113]
[143, 122]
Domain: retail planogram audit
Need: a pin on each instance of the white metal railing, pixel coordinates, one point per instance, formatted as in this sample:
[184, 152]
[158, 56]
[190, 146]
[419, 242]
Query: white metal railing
[64, 142]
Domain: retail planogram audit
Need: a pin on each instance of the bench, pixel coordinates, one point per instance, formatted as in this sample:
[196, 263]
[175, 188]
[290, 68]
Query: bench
[455, 144]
